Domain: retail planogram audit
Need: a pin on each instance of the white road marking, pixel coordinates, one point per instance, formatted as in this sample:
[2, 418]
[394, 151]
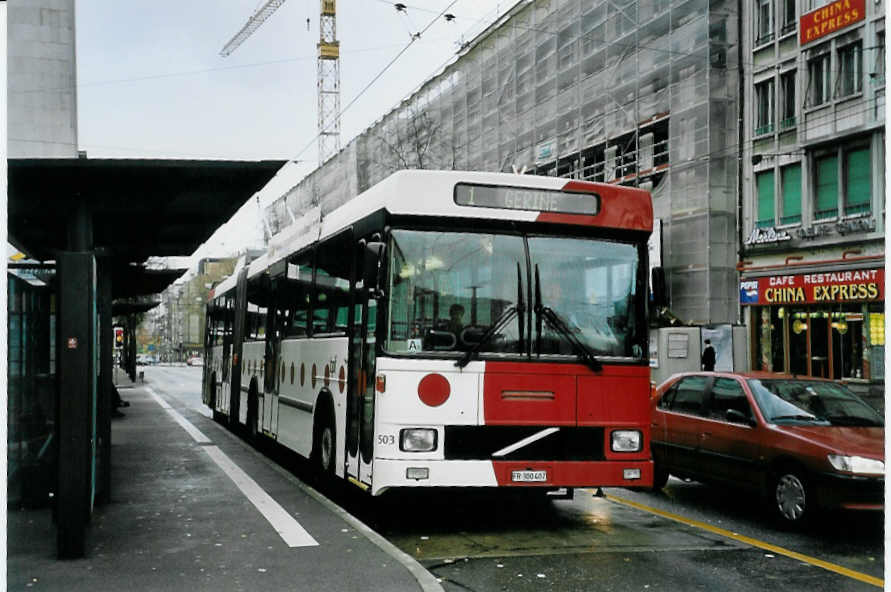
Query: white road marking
[284, 524]
[196, 434]
[289, 529]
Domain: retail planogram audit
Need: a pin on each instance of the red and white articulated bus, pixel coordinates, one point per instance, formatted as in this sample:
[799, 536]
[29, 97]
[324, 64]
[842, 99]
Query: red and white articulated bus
[447, 329]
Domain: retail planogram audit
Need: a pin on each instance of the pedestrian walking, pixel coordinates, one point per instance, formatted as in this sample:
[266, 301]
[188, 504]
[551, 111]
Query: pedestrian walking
[708, 356]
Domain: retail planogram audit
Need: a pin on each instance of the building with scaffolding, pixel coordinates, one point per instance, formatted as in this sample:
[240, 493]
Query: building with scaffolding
[813, 199]
[639, 92]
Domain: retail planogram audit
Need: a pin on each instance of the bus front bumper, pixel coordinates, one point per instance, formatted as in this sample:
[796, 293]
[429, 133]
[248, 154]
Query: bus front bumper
[390, 473]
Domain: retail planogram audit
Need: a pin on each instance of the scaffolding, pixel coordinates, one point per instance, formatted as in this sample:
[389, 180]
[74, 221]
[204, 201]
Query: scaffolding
[637, 92]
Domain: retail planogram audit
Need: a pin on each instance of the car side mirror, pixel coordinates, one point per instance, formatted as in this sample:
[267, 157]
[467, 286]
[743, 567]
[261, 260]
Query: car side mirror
[371, 268]
[736, 416]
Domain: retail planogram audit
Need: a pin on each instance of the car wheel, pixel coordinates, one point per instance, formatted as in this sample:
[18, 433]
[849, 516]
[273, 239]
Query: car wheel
[791, 501]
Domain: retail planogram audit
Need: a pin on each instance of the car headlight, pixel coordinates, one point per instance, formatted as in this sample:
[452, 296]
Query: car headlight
[626, 441]
[856, 464]
[417, 440]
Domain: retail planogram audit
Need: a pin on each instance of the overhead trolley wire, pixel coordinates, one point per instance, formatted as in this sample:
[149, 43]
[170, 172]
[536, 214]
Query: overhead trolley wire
[352, 102]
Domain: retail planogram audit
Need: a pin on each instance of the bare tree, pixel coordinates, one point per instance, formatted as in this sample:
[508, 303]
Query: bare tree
[412, 135]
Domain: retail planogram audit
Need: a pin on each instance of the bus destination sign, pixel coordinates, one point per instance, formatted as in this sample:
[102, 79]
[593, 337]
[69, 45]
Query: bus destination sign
[525, 198]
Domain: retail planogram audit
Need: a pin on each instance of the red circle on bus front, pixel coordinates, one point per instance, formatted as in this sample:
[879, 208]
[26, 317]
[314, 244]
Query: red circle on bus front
[341, 379]
[313, 377]
[434, 389]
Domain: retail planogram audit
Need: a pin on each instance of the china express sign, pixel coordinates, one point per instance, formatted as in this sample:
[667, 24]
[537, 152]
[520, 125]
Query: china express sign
[815, 288]
[830, 18]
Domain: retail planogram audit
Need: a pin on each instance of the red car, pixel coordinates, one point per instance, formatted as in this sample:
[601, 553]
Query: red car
[802, 443]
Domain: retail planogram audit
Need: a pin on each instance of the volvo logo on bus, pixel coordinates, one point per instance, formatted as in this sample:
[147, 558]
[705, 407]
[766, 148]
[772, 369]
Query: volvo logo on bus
[526, 198]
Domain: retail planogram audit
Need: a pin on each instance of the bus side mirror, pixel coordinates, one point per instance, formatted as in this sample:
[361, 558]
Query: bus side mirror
[371, 269]
[660, 299]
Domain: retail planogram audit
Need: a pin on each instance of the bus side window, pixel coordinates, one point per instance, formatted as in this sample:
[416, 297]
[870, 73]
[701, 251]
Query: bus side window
[295, 295]
[332, 285]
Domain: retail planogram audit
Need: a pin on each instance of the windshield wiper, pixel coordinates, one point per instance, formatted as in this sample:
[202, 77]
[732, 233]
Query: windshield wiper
[798, 417]
[582, 351]
[500, 322]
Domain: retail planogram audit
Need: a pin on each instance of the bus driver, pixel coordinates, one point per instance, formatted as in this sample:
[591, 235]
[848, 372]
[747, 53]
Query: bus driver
[456, 319]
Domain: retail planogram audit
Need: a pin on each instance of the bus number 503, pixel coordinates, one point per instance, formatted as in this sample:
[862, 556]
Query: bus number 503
[386, 439]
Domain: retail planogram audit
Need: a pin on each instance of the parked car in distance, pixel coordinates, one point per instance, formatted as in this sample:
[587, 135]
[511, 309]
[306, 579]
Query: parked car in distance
[804, 444]
[195, 360]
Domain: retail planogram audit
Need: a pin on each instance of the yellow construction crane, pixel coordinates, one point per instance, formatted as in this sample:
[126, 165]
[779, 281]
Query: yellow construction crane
[328, 68]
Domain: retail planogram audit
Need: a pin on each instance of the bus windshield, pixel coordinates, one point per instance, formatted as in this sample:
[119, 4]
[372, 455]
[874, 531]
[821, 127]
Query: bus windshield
[447, 289]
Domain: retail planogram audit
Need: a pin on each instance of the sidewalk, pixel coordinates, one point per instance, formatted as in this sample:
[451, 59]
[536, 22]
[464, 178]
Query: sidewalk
[178, 521]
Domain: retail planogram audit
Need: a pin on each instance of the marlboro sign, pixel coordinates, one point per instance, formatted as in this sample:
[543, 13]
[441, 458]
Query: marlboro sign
[829, 19]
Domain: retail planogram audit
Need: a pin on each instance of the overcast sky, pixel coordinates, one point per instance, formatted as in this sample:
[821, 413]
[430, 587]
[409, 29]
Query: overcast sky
[151, 82]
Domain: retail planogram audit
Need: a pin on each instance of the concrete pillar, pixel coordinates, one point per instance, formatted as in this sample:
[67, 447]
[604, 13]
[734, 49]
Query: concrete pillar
[77, 400]
[106, 384]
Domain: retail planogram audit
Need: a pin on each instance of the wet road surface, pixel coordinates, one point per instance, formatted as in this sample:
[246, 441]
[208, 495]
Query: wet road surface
[686, 537]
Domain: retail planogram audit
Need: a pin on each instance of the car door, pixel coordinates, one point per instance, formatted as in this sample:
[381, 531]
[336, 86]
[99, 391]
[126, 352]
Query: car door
[678, 425]
[728, 442]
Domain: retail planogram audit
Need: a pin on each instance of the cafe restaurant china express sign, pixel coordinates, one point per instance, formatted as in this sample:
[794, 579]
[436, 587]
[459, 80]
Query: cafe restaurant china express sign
[862, 285]
[829, 18]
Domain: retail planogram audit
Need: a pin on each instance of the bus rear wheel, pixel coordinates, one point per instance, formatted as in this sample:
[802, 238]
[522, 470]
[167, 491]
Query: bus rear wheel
[324, 442]
[217, 416]
[252, 412]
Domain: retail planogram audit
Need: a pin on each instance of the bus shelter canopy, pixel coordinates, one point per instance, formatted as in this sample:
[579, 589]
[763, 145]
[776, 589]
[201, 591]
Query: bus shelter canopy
[139, 208]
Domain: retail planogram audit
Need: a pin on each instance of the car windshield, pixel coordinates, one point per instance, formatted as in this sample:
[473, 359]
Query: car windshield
[446, 289]
[812, 402]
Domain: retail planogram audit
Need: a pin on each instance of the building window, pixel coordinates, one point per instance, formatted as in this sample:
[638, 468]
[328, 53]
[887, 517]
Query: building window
[826, 170]
[789, 16]
[850, 70]
[791, 186]
[878, 69]
[764, 107]
[763, 21]
[818, 80]
[858, 181]
[843, 181]
[764, 183]
[787, 108]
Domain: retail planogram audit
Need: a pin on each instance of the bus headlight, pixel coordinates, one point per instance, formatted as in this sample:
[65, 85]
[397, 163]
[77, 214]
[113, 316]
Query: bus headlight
[856, 464]
[626, 441]
[417, 440]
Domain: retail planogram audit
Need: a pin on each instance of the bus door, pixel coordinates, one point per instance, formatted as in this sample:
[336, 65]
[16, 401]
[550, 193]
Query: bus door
[360, 403]
[225, 362]
[238, 400]
[274, 327]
